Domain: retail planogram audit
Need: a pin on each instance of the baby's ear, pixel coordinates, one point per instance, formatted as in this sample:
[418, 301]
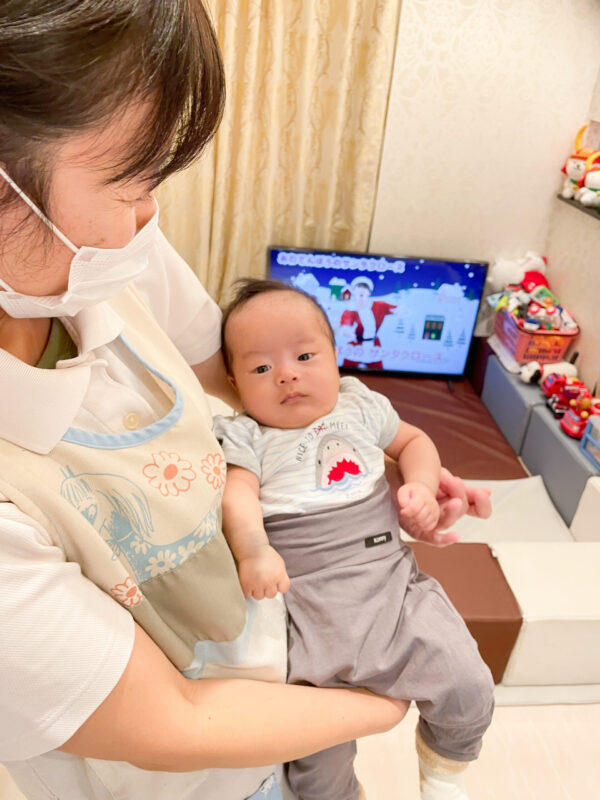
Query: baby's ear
[231, 380]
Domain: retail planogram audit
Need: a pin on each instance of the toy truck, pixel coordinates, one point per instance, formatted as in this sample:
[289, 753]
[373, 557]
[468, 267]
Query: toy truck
[560, 390]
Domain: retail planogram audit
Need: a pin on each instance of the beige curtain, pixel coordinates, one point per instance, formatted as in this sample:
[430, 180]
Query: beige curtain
[295, 160]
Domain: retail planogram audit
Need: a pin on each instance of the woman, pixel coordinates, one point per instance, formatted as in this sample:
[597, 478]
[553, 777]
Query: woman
[114, 578]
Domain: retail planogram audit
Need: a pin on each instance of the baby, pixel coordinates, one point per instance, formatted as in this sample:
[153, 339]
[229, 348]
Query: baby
[307, 511]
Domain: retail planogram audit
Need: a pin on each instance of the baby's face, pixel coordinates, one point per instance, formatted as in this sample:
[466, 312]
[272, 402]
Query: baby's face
[282, 361]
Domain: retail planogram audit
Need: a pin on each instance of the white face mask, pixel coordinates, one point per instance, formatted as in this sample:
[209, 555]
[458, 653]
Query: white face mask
[96, 273]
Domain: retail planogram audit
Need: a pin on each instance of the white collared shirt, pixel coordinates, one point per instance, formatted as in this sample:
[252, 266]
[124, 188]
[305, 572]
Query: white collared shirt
[104, 388]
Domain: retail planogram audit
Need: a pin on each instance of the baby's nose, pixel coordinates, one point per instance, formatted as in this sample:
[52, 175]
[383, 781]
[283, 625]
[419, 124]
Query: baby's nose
[286, 375]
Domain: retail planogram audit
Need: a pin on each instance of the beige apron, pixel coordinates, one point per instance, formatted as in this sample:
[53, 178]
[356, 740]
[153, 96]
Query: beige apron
[140, 511]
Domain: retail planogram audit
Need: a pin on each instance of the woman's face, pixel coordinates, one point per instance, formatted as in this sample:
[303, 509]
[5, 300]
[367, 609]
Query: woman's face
[81, 205]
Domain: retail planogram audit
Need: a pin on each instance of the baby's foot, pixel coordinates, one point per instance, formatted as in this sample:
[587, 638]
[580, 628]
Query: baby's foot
[435, 786]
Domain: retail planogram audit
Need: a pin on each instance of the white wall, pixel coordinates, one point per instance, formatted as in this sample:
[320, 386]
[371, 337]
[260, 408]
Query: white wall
[573, 250]
[486, 98]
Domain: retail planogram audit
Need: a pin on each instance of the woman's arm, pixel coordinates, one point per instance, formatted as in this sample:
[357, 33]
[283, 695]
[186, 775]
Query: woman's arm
[158, 720]
[211, 374]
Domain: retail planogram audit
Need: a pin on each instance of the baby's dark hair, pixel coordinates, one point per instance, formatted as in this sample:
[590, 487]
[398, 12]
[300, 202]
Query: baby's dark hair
[245, 289]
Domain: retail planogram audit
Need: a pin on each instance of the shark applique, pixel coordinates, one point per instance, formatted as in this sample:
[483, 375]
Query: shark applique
[336, 459]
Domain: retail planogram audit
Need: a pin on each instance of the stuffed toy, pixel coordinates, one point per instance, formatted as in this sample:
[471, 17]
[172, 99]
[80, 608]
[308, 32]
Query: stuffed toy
[507, 272]
[533, 371]
[588, 193]
[575, 166]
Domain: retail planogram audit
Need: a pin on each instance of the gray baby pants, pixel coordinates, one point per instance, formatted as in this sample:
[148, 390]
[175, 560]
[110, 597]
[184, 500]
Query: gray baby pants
[361, 614]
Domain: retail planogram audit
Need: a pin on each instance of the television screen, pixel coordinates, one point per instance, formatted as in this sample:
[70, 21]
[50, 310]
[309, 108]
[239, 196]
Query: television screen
[390, 313]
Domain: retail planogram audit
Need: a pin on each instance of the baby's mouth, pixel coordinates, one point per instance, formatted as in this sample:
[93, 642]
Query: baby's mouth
[292, 397]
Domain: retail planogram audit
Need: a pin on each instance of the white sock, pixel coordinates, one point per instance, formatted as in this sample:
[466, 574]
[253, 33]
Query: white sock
[441, 778]
[438, 786]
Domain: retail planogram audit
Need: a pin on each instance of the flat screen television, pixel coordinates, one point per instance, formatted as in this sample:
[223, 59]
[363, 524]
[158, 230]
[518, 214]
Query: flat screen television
[390, 313]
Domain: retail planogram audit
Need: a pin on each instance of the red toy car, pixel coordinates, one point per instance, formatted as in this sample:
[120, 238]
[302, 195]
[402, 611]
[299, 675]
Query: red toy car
[560, 390]
[574, 421]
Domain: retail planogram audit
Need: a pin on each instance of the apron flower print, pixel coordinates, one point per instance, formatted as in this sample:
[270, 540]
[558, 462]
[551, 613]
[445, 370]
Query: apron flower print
[127, 592]
[214, 468]
[169, 473]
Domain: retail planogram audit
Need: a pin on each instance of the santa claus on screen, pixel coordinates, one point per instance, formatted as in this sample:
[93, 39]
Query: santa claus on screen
[359, 325]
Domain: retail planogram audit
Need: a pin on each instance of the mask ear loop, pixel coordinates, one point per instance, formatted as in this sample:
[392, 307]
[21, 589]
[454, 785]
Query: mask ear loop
[37, 211]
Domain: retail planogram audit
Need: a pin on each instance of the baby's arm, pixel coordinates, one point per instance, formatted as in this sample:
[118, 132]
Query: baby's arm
[419, 463]
[261, 569]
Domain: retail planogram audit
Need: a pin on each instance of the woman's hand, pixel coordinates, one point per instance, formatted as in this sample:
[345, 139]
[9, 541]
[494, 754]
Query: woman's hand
[455, 498]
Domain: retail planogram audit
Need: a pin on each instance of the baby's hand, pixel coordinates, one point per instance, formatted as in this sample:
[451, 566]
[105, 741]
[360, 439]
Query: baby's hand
[419, 509]
[263, 573]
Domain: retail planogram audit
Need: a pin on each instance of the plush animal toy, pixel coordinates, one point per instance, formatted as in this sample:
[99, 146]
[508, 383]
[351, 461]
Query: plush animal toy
[588, 193]
[575, 165]
[533, 371]
[506, 272]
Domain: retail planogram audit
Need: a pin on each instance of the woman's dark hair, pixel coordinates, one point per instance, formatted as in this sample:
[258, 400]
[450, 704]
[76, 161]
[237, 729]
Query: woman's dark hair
[69, 65]
[245, 289]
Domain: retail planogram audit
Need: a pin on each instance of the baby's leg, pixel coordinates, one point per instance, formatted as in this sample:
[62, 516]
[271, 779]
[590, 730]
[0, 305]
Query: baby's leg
[449, 680]
[328, 775]
[440, 668]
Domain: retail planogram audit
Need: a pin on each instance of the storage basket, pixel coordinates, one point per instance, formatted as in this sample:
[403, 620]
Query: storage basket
[543, 346]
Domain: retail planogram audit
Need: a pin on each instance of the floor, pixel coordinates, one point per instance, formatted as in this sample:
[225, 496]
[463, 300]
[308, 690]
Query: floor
[530, 753]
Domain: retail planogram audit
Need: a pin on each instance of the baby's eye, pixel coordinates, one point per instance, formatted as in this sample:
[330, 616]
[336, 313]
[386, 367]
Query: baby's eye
[261, 369]
[305, 356]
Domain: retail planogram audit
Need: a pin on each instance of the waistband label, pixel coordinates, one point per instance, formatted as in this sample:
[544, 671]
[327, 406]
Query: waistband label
[379, 538]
